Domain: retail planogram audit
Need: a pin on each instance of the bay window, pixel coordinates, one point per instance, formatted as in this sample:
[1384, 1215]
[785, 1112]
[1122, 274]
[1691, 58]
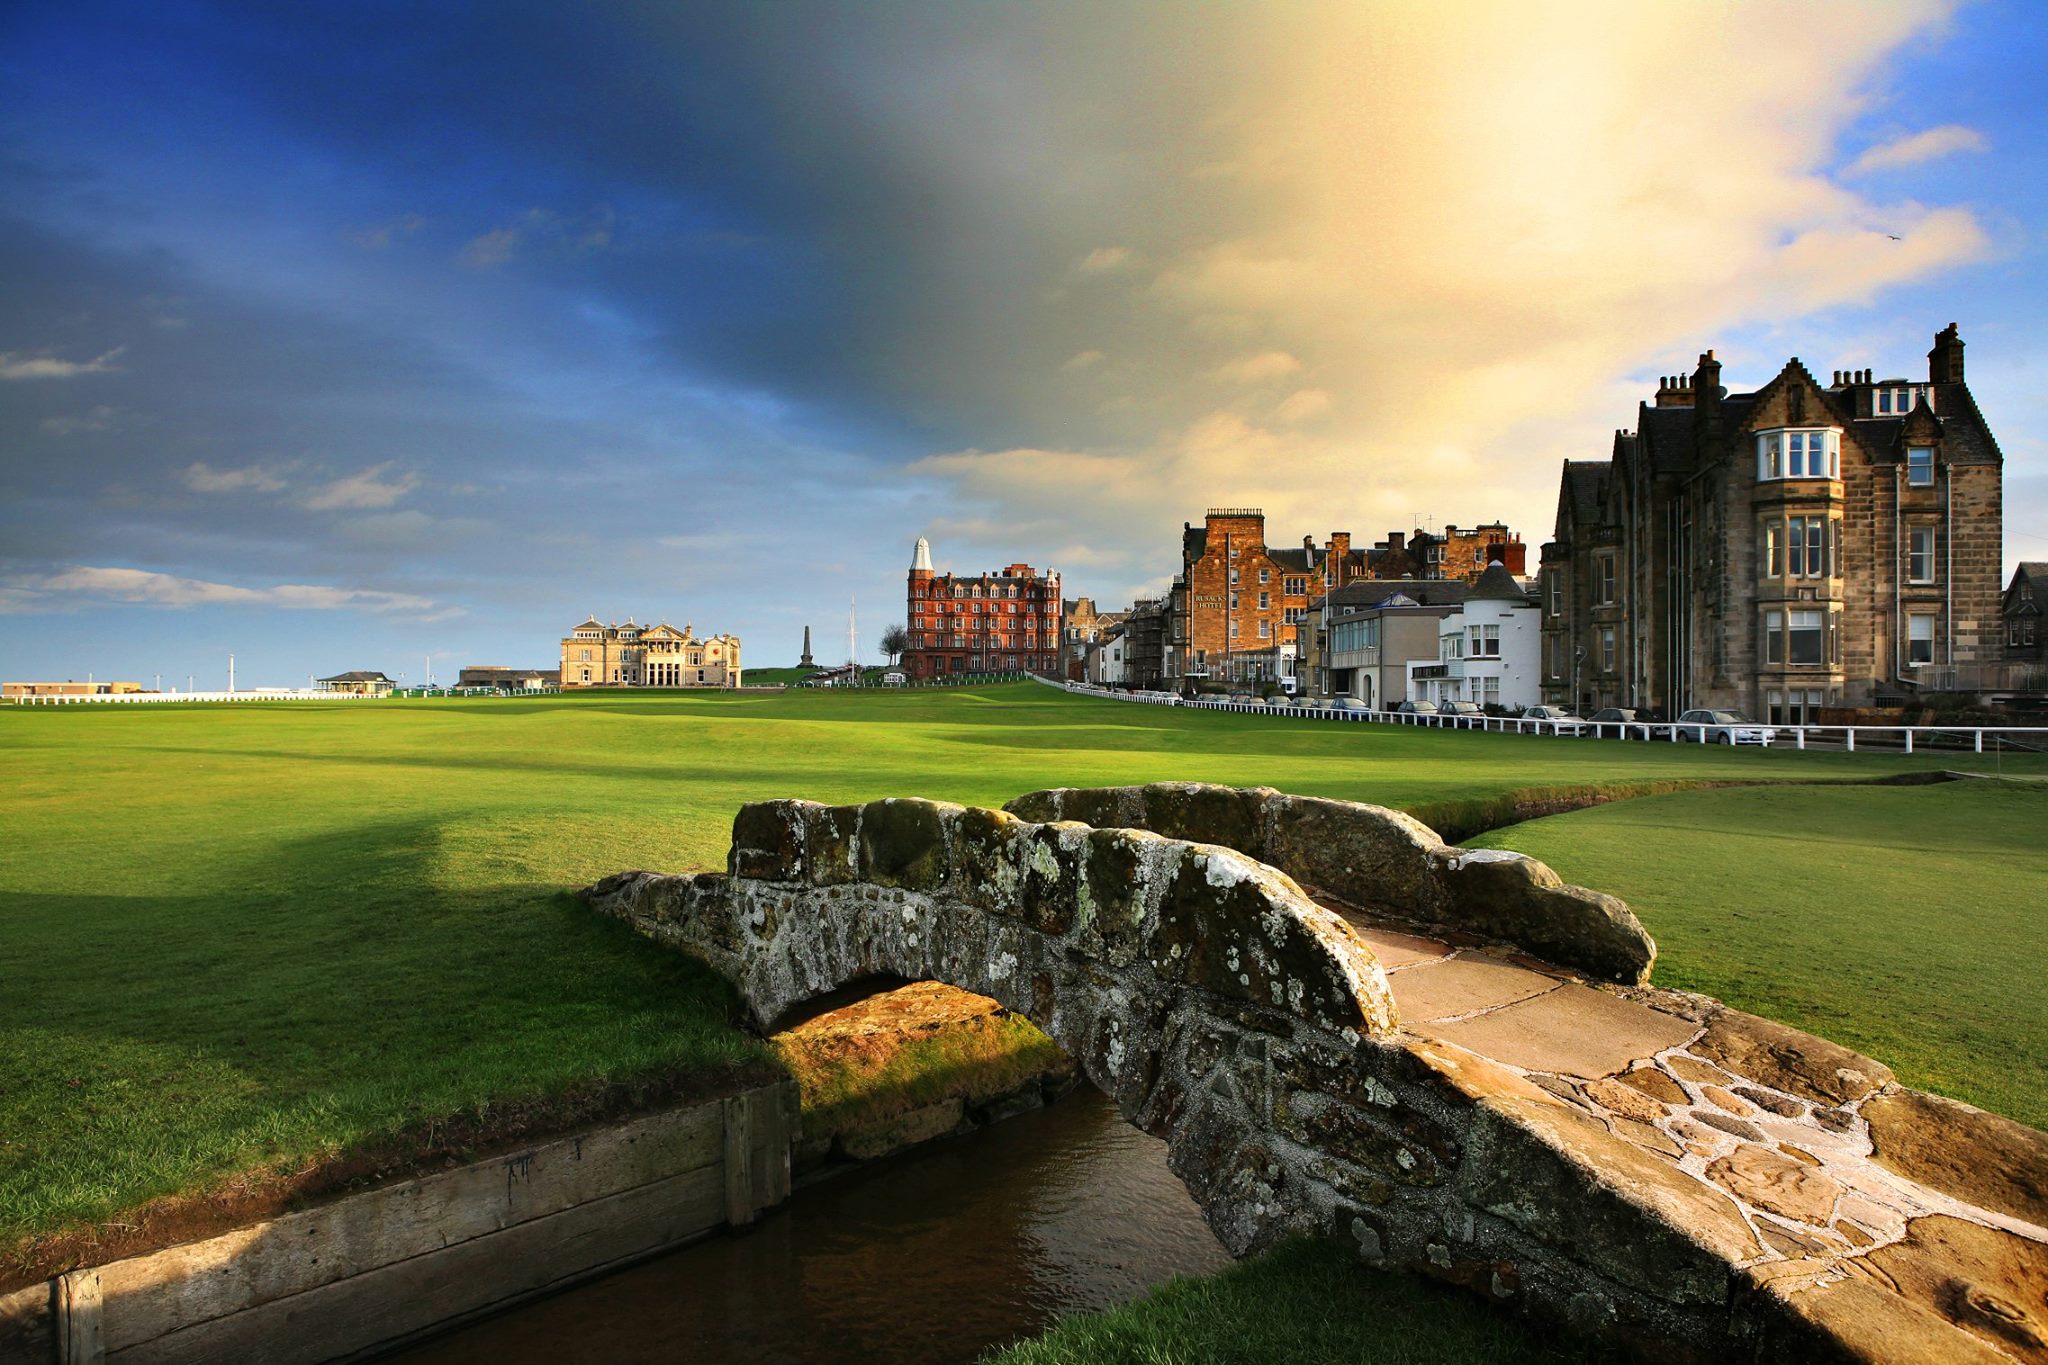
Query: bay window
[1799, 454]
[1485, 641]
[1808, 637]
[1774, 637]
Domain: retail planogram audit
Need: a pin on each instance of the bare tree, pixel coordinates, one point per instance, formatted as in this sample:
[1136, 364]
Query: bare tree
[894, 641]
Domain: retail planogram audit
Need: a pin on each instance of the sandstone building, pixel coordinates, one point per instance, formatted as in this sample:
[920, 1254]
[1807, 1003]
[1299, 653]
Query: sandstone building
[1238, 607]
[1779, 551]
[597, 654]
[1001, 622]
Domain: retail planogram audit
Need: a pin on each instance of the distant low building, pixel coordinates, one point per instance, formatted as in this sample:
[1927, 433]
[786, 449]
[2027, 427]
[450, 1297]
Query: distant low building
[69, 689]
[597, 654]
[1360, 639]
[360, 684]
[510, 679]
[1489, 650]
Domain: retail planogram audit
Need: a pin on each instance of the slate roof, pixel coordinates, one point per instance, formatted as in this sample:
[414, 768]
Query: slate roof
[1497, 585]
[1366, 593]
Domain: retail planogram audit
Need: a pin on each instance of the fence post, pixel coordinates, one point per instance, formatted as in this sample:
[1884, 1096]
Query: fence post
[1909, 739]
[1850, 732]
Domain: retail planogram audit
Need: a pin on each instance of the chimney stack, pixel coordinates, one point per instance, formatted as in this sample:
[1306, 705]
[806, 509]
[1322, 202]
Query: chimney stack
[1945, 361]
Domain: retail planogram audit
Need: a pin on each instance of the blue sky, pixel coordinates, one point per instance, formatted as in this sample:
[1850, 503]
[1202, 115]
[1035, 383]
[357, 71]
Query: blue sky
[339, 336]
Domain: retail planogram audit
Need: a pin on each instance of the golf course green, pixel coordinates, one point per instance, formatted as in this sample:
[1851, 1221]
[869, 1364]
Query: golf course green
[244, 940]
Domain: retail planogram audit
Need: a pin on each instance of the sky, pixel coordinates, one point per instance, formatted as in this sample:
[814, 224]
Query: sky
[405, 335]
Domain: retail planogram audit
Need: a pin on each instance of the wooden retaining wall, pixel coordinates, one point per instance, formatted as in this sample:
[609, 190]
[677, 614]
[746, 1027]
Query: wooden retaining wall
[371, 1270]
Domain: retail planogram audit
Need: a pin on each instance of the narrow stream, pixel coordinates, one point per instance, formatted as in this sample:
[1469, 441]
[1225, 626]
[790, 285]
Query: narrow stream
[933, 1256]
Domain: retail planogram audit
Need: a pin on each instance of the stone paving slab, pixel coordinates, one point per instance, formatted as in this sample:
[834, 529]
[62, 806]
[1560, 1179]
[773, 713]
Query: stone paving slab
[1397, 950]
[1572, 1030]
[1453, 987]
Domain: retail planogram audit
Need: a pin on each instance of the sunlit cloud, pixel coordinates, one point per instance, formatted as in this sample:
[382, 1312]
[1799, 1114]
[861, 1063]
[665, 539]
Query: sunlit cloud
[69, 588]
[361, 491]
[1911, 150]
[204, 478]
[24, 365]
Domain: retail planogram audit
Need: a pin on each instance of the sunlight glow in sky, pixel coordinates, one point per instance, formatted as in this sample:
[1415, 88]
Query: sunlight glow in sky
[339, 336]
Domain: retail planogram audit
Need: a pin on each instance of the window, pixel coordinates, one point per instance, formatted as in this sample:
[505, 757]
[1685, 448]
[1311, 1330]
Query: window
[1808, 637]
[1233, 575]
[1557, 656]
[1556, 594]
[1489, 691]
[1603, 573]
[1607, 649]
[1295, 587]
[1798, 455]
[1265, 630]
[1919, 639]
[1265, 600]
[1233, 601]
[1774, 637]
[1807, 543]
[1899, 399]
[1920, 554]
[1485, 641]
[1774, 550]
[1265, 575]
[1450, 646]
[1920, 466]
[1233, 630]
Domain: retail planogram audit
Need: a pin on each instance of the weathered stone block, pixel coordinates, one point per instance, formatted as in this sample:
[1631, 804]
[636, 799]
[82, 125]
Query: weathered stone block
[1119, 874]
[1365, 856]
[1215, 932]
[831, 844]
[1103, 807]
[989, 850]
[1983, 1159]
[903, 842]
[1053, 857]
[1202, 813]
[1040, 807]
[768, 841]
[1521, 901]
[1786, 1059]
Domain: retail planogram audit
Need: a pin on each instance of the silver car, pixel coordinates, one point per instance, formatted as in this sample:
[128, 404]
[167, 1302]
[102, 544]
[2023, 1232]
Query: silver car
[1554, 720]
[1724, 727]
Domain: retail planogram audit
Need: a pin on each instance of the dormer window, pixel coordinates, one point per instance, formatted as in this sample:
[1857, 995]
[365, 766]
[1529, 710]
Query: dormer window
[1799, 454]
[1920, 466]
[1896, 400]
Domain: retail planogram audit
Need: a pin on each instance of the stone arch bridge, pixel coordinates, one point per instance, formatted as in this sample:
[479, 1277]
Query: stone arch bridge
[1444, 1059]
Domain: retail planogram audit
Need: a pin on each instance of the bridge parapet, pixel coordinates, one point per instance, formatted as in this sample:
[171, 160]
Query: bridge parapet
[1380, 861]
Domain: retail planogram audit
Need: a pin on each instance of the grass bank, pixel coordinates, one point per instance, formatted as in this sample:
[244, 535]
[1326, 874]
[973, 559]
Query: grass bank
[1305, 1304]
[245, 942]
[1906, 922]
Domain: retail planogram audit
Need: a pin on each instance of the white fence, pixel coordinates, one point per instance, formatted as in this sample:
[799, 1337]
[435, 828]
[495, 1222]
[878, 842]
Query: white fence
[151, 698]
[1882, 738]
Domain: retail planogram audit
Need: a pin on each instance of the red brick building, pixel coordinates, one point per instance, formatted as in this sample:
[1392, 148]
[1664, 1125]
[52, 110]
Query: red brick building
[999, 622]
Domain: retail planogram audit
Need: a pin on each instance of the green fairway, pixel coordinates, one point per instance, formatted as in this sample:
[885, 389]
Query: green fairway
[244, 938]
[1907, 922]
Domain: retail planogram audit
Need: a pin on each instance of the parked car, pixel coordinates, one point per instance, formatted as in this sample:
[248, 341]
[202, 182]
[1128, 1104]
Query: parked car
[1347, 704]
[1460, 715]
[1241, 698]
[1628, 723]
[1421, 712]
[1554, 720]
[1723, 727]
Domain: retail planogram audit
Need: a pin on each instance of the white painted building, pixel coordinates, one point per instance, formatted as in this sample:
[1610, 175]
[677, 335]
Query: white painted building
[1107, 665]
[1488, 650]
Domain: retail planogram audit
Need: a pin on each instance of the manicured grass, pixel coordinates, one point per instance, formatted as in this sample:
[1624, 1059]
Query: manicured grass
[1906, 922]
[1301, 1304]
[246, 938]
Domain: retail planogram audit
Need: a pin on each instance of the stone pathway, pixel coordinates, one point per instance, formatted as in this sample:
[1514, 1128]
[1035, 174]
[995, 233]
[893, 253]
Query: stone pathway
[1842, 1199]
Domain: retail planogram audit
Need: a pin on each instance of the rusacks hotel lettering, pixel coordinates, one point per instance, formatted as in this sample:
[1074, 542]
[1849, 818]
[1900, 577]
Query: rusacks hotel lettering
[595, 654]
[1799, 547]
[1002, 622]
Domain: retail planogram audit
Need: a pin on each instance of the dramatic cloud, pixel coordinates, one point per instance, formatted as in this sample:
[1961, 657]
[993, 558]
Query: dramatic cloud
[22, 365]
[1459, 279]
[70, 587]
[1946, 140]
[361, 491]
[204, 478]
